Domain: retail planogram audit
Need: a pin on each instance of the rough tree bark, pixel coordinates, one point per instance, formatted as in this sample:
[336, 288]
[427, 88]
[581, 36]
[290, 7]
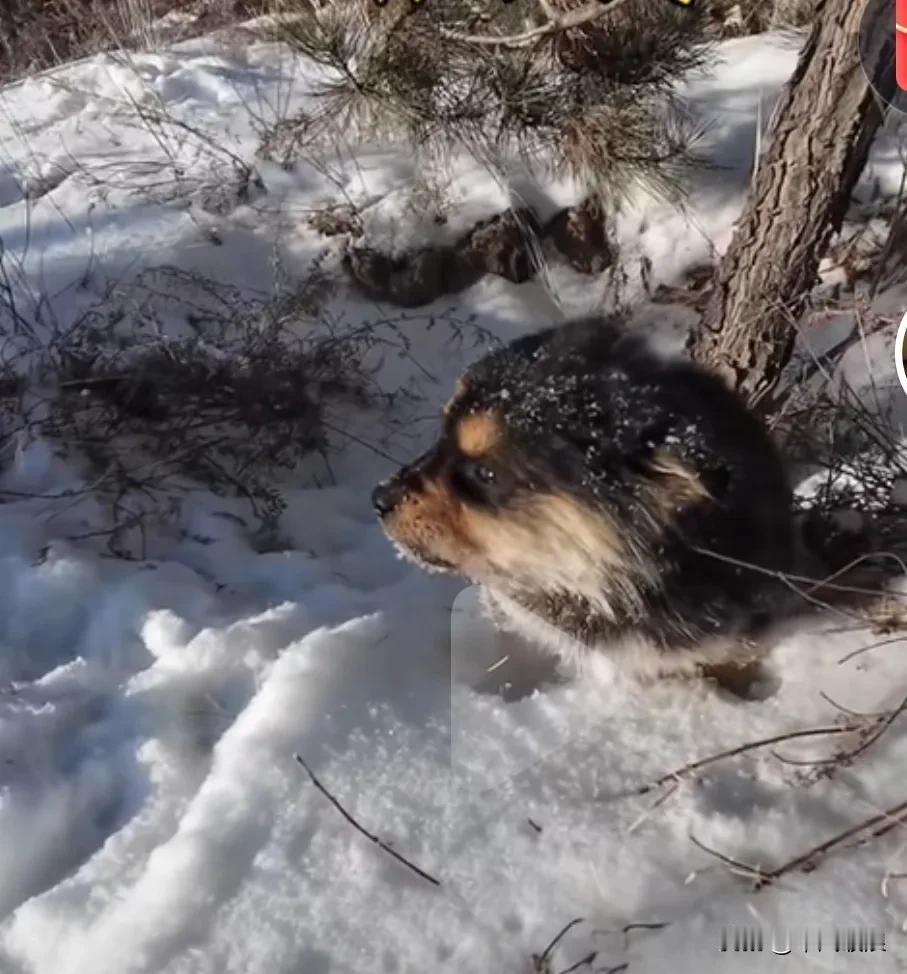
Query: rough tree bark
[818, 143]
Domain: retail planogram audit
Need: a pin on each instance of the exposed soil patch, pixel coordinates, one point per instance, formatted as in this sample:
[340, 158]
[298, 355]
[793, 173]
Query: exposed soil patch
[506, 245]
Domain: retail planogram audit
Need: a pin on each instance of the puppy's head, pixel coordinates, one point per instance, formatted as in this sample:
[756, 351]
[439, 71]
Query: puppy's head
[527, 486]
[479, 503]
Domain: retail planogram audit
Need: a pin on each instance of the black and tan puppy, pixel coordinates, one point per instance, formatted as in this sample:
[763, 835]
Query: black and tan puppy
[604, 498]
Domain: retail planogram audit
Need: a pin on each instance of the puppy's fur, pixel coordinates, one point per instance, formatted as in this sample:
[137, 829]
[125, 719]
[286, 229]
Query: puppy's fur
[604, 498]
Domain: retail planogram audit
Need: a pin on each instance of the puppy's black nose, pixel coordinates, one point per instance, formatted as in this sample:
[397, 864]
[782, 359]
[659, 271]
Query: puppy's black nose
[387, 495]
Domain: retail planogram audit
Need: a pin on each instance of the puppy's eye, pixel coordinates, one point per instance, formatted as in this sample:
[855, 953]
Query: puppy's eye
[473, 479]
[479, 472]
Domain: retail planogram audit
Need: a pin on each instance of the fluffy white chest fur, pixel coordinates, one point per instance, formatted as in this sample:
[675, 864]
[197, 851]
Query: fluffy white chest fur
[632, 655]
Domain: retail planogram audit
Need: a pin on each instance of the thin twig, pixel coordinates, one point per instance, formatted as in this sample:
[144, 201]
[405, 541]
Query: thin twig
[540, 960]
[585, 962]
[745, 868]
[356, 439]
[372, 838]
[688, 769]
[849, 755]
[586, 14]
[847, 710]
[806, 860]
[832, 356]
[789, 578]
[876, 645]
[656, 804]
[628, 928]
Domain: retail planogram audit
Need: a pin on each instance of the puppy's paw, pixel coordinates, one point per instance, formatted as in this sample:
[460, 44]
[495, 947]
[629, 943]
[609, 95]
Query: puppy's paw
[744, 680]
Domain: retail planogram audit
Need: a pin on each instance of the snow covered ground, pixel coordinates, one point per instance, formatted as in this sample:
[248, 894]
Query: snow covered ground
[153, 817]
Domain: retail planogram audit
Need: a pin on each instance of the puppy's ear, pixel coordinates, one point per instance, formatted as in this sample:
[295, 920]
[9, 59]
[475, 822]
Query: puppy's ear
[461, 390]
[674, 482]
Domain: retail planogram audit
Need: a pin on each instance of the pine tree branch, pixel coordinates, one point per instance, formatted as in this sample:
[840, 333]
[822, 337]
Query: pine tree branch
[555, 23]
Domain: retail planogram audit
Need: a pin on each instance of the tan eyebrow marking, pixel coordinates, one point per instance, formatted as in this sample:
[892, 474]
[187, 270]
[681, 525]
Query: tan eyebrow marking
[477, 433]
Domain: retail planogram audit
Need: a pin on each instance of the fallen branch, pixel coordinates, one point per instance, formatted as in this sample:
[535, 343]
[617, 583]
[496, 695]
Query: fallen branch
[807, 861]
[372, 838]
[688, 769]
[884, 723]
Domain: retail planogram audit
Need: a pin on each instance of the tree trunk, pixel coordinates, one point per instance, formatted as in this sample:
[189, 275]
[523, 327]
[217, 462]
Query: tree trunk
[818, 143]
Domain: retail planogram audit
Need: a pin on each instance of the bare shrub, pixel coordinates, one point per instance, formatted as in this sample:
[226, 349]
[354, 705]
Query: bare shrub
[176, 383]
[237, 397]
[38, 34]
[848, 444]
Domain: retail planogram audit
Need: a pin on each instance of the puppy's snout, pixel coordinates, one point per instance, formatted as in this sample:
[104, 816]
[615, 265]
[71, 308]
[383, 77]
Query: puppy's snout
[387, 495]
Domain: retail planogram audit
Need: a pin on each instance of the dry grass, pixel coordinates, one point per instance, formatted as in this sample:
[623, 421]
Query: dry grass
[39, 34]
[174, 383]
[238, 394]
